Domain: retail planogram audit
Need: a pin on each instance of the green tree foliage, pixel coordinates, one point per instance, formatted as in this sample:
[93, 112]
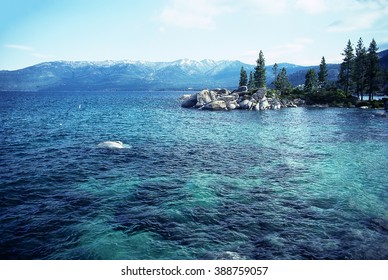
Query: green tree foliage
[251, 82]
[322, 74]
[259, 75]
[373, 70]
[282, 83]
[345, 75]
[243, 77]
[360, 69]
[330, 96]
[311, 82]
[275, 69]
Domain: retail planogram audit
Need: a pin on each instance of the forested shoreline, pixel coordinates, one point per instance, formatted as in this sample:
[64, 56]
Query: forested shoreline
[360, 75]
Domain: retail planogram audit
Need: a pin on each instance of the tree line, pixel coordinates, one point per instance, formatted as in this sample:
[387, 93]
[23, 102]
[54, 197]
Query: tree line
[360, 73]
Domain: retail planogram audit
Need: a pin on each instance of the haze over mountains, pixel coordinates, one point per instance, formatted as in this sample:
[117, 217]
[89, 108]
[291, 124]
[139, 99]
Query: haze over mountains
[124, 75]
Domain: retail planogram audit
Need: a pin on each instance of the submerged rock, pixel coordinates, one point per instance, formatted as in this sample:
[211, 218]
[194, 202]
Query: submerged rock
[111, 145]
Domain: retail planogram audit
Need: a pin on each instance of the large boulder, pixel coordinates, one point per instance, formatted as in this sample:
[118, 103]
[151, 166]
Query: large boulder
[299, 102]
[246, 104]
[223, 99]
[232, 105]
[242, 89]
[229, 98]
[205, 97]
[288, 103]
[275, 104]
[259, 94]
[216, 105]
[221, 91]
[262, 104]
[189, 101]
[185, 97]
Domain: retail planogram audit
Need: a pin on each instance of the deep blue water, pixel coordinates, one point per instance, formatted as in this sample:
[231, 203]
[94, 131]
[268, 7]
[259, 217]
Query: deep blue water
[298, 183]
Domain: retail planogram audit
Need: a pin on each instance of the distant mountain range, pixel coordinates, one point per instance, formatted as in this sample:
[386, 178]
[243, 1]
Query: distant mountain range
[124, 75]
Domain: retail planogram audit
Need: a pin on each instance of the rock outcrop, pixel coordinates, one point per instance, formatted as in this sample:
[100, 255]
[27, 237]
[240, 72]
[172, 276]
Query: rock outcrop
[189, 101]
[242, 98]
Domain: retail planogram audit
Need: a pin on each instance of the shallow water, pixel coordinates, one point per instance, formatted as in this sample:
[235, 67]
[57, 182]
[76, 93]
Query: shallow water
[298, 183]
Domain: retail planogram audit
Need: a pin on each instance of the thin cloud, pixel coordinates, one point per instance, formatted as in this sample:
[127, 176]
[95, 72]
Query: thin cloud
[30, 50]
[200, 14]
[360, 15]
[312, 6]
[268, 7]
[19, 47]
[297, 46]
[280, 53]
[364, 21]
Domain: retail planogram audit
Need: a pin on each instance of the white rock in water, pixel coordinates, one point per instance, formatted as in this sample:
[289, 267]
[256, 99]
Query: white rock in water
[111, 145]
[245, 104]
[216, 105]
[183, 97]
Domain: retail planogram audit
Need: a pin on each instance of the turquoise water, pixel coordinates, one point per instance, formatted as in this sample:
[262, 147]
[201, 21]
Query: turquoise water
[298, 183]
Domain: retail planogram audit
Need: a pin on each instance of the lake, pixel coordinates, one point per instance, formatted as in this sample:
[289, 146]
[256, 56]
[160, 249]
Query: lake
[296, 183]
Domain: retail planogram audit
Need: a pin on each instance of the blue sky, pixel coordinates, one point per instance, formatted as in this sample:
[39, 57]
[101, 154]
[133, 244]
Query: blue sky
[295, 31]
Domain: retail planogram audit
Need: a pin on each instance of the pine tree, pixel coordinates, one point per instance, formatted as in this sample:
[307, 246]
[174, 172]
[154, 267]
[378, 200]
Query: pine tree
[282, 83]
[243, 77]
[259, 75]
[373, 69]
[251, 82]
[360, 65]
[341, 82]
[347, 68]
[275, 73]
[311, 82]
[322, 74]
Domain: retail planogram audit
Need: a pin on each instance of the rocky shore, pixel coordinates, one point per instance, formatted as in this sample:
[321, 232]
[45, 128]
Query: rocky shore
[224, 99]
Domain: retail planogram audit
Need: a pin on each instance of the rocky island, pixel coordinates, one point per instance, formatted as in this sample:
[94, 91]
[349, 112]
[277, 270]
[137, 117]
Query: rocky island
[241, 98]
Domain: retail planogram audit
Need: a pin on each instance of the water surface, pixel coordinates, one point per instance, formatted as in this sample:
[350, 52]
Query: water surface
[298, 183]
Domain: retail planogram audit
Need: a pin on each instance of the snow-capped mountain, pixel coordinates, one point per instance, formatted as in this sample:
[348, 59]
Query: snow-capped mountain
[181, 74]
[123, 75]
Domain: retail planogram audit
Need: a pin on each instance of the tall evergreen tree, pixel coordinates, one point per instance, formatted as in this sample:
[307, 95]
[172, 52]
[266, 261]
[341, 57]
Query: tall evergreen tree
[322, 74]
[345, 75]
[243, 77]
[341, 81]
[275, 73]
[259, 75]
[311, 82]
[251, 82]
[373, 69]
[282, 83]
[360, 68]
